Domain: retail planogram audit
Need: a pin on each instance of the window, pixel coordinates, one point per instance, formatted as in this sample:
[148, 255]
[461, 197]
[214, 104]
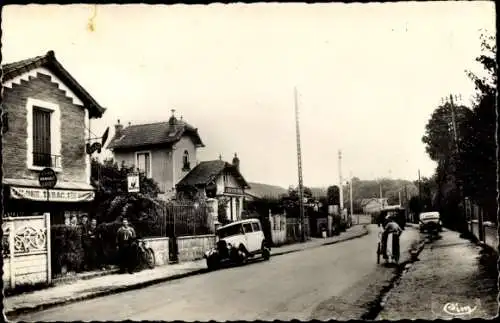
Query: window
[255, 227]
[144, 163]
[44, 135]
[41, 138]
[185, 161]
[247, 227]
[230, 231]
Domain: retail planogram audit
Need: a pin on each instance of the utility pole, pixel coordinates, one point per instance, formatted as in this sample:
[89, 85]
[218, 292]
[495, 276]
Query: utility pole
[350, 196]
[299, 164]
[419, 189]
[399, 194]
[457, 150]
[341, 186]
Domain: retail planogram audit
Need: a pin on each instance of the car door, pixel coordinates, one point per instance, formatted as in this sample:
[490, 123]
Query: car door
[250, 237]
[258, 235]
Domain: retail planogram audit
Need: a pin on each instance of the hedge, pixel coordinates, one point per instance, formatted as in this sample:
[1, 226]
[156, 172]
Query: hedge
[66, 248]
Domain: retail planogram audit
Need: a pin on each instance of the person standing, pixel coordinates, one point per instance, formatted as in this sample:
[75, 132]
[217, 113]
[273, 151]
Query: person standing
[390, 226]
[124, 238]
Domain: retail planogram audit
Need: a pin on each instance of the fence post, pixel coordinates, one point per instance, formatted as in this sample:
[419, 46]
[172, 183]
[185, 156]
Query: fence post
[11, 255]
[49, 252]
[481, 226]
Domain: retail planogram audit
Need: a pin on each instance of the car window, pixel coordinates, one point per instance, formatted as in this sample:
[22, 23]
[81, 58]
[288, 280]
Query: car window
[229, 231]
[247, 227]
[255, 227]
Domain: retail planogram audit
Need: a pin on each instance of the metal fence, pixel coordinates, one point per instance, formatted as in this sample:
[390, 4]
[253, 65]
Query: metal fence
[293, 233]
[184, 219]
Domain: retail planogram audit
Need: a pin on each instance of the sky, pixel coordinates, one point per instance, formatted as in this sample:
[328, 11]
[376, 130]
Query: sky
[368, 76]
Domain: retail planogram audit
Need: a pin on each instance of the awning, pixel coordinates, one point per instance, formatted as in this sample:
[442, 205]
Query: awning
[28, 189]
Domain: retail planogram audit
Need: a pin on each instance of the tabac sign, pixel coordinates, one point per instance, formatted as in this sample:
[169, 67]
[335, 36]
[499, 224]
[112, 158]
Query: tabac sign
[39, 194]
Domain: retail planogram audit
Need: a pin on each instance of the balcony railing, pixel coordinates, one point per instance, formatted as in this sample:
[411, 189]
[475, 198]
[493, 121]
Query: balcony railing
[46, 160]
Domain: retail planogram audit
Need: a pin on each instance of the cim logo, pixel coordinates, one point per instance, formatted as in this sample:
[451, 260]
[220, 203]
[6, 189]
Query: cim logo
[456, 309]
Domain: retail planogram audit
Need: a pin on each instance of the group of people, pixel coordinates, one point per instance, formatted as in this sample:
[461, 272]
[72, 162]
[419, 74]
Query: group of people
[93, 248]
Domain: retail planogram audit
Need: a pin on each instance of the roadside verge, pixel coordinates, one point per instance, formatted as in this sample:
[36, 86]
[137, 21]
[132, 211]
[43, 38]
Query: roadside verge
[111, 284]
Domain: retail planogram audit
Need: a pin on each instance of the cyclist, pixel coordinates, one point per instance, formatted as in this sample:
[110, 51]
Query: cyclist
[389, 226]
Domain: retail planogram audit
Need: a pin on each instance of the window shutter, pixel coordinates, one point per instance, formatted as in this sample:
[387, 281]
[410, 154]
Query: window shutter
[41, 138]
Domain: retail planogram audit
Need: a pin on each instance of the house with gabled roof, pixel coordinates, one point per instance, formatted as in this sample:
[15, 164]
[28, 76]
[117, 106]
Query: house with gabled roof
[163, 151]
[373, 205]
[217, 179]
[46, 117]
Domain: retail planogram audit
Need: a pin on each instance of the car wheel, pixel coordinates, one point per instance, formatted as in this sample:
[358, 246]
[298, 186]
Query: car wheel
[242, 256]
[211, 263]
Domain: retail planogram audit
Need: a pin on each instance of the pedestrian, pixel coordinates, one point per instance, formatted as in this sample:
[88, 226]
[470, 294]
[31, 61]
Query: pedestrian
[390, 226]
[90, 245]
[124, 238]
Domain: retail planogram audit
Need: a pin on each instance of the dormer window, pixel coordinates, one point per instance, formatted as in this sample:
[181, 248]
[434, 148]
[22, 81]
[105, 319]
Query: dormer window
[185, 161]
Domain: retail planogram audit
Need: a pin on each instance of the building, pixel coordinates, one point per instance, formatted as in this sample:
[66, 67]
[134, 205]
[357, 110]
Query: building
[47, 117]
[373, 205]
[163, 151]
[218, 179]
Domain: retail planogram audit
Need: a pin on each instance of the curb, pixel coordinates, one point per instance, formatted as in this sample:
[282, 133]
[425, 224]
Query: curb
[40, 307]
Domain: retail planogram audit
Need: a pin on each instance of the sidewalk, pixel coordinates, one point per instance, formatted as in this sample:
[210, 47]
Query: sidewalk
[451, 276]
[114, 283]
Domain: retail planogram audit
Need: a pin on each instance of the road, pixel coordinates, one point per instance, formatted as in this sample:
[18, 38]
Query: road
[335, 281]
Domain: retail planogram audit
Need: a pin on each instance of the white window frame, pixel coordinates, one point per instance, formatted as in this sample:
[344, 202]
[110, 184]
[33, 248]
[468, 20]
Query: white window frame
[137, 153]
[55, 131]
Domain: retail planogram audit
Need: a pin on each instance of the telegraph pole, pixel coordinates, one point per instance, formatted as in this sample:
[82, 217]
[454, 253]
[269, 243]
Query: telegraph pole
[299, 163]
[350, 196]
[341, 190]
[457, 150]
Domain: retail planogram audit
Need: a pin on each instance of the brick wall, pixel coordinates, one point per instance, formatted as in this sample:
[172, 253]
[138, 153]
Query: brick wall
[72, 129]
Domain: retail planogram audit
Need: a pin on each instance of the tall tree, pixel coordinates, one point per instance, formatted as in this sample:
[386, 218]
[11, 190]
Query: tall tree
[478, 167]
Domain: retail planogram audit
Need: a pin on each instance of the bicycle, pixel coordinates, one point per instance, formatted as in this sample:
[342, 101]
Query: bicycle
[395, 252]
[145, 255]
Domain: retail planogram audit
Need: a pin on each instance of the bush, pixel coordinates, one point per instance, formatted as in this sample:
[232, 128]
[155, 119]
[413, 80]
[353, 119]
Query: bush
[66, 247]
[106, 235]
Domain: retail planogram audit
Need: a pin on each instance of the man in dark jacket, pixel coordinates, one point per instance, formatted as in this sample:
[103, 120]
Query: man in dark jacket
[124, 239]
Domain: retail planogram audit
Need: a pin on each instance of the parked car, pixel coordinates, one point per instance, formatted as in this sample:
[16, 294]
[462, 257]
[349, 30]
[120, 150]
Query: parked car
[430, 222]
[237, 242]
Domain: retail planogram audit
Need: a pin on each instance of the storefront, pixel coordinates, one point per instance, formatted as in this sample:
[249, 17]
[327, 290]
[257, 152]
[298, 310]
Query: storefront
[24, 197]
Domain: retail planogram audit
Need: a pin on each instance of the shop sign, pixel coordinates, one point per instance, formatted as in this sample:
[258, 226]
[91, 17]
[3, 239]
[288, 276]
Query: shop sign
[234, 190]
[39, 194]
[47, 178]
[133, 183]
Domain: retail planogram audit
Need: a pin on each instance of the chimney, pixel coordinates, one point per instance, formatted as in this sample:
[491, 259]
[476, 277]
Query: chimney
[236, 162]
[172, 120]
[118, 129]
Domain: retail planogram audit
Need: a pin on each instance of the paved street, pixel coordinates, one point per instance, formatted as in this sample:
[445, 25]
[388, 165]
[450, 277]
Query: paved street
[336, 281]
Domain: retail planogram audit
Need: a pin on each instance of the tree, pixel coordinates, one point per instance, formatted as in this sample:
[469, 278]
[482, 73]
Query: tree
[333, 195]
[112, 200]
[478, 154]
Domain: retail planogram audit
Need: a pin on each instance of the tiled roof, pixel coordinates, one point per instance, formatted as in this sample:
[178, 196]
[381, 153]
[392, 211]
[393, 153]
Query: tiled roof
[207, 171]
[49, 61]
[159, 133]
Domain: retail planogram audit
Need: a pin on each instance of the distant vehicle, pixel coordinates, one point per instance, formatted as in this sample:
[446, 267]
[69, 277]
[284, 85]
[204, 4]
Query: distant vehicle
[236, 242]
[430, 222]
[395, 210]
